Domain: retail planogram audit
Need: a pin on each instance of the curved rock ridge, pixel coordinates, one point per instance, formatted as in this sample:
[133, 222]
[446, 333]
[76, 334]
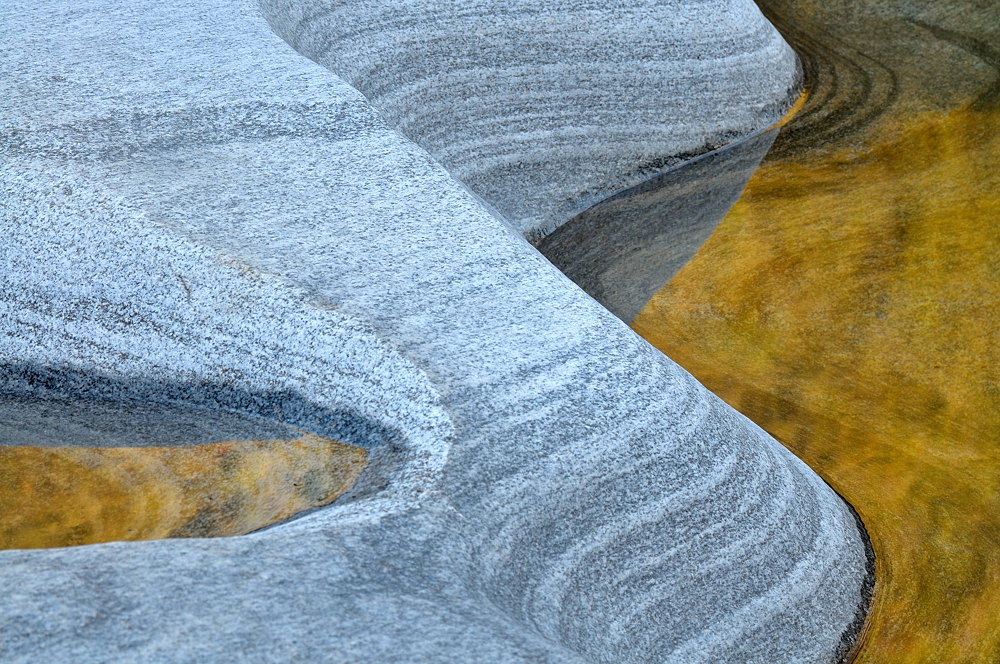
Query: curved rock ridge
[545, 108]
[555, 490]
[100, 301]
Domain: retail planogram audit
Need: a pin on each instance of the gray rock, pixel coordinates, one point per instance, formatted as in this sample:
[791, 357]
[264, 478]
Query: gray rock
[546, 108]
[197, 215]
[572, 117]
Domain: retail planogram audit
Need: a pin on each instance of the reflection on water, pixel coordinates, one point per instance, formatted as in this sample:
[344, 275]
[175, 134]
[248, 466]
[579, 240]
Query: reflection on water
[850, 304]
[627, 247]
[79, 472]
[33, 419]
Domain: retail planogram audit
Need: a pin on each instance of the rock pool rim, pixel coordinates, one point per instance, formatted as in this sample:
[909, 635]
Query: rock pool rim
[385, 446]
[854, 635]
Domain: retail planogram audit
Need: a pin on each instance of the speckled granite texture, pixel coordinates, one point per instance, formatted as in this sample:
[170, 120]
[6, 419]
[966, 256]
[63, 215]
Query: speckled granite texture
[188, 203]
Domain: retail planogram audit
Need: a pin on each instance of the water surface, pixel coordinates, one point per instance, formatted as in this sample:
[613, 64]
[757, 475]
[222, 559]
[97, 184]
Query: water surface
[850, 304]
[79, 470]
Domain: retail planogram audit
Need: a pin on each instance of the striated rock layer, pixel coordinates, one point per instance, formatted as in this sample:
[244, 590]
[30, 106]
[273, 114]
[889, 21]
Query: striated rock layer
[546, 108]
[193, 210]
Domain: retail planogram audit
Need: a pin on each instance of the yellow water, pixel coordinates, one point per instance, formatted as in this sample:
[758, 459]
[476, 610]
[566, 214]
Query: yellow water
[65, 496]
[850, 305]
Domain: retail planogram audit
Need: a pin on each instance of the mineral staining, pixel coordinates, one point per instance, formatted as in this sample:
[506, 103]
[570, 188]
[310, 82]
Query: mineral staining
[849, 305]
[65, 496]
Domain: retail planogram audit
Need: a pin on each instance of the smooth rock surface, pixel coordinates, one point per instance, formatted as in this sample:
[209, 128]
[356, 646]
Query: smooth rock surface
[188, 202]
[545, 108]
[568, 117]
